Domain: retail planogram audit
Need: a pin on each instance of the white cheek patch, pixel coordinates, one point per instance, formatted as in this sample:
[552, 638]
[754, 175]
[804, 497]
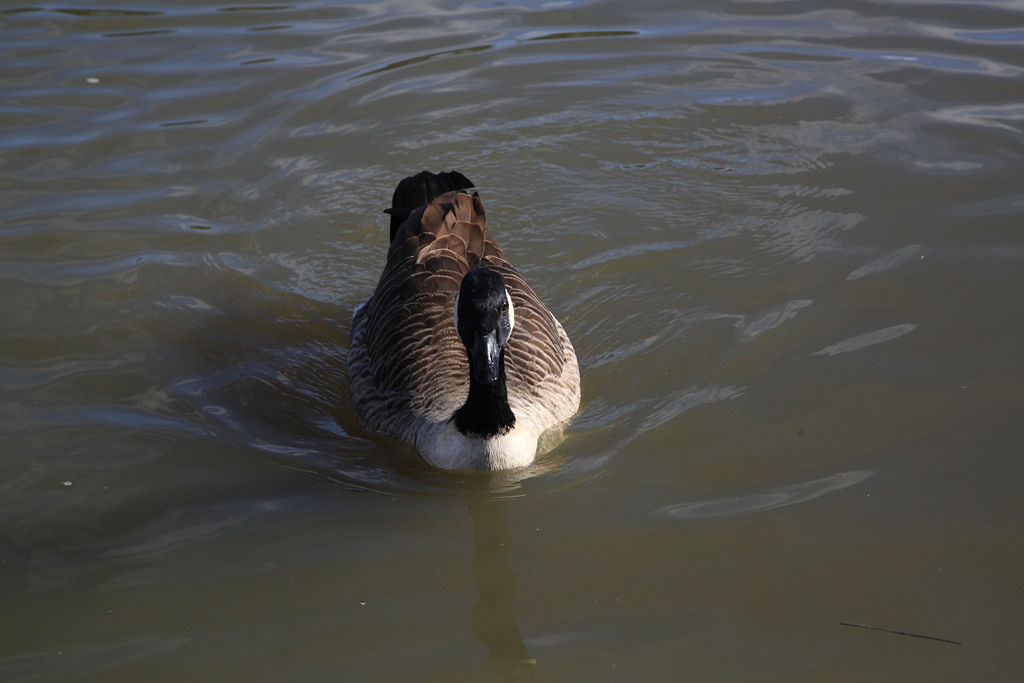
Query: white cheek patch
[511, 313]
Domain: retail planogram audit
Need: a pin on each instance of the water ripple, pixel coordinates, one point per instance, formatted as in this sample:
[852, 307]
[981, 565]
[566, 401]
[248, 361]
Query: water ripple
[735, 506]
[886, 262]
[863, 341]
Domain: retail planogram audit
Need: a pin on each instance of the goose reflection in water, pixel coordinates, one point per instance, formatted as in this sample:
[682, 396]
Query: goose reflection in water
[493, 617]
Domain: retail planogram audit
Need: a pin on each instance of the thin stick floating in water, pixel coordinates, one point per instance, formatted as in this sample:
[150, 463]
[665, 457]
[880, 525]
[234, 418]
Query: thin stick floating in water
[900, 633]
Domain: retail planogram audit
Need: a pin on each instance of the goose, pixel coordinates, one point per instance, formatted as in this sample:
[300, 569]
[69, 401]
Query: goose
[453, 351]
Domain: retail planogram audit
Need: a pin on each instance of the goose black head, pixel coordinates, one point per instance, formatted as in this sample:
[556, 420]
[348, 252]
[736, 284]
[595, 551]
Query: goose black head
[484, 318]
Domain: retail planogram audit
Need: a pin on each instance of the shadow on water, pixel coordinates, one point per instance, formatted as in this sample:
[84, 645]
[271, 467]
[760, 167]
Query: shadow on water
[267, 372]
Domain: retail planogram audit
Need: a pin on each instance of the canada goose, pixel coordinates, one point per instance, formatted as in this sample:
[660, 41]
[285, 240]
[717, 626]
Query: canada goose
[453, 351]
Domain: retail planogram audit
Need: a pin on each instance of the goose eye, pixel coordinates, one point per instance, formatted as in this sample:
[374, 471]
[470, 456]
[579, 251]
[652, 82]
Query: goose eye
[504, 305]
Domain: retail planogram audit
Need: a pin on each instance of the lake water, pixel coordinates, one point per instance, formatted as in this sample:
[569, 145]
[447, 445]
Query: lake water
[785, 238]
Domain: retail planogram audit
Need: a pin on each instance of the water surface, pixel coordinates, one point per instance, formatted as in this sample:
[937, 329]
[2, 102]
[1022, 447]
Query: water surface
[785, 238]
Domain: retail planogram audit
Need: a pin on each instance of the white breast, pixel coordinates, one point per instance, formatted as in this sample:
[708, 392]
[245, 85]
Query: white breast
[442, 445]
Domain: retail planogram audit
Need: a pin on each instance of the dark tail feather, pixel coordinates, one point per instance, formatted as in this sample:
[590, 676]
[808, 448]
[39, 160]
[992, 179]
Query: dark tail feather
[417, 190]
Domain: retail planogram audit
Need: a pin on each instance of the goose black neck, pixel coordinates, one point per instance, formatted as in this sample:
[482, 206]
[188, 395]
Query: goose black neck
[486, 412]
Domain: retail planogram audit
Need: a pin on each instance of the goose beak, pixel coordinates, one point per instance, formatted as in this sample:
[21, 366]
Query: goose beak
[485, 357]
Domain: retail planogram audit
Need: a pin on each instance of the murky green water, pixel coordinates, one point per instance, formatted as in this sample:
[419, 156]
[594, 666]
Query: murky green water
[785, 238]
